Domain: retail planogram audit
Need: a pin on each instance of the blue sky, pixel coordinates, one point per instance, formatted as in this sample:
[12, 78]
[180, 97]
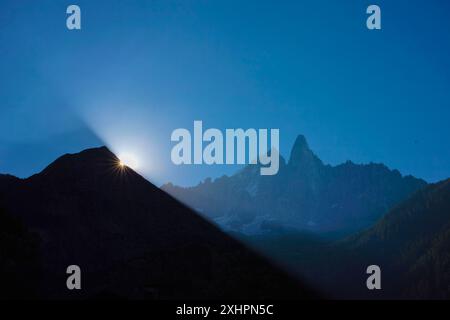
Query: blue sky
[139, 69]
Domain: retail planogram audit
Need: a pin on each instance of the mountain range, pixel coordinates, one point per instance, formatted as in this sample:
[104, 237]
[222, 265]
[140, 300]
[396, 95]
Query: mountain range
[129, 238]
[133, 240]
[306, 194]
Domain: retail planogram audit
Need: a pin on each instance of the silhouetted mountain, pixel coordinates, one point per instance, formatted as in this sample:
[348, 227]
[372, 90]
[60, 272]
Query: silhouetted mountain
[412, 245]
[129, 238]
[305, 194]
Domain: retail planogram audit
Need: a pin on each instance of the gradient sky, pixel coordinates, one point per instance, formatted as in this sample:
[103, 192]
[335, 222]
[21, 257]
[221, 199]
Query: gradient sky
[139, 69]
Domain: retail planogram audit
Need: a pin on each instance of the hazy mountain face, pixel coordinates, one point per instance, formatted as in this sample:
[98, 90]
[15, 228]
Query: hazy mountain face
[305, 194]
[129, 238]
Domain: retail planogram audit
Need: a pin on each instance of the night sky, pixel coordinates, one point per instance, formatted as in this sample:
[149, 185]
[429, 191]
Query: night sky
[137, 70]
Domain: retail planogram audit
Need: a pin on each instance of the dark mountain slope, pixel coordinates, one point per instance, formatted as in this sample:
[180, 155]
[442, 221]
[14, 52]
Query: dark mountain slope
[130, 238]
[305, 194]
[7, 181]
[412, 242]
[19, 262]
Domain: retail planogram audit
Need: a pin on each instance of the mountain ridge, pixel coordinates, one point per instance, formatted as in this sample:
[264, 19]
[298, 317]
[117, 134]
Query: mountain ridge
[306, 194]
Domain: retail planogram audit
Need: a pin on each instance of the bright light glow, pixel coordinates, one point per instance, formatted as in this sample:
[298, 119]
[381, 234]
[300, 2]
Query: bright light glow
[127, 134]
[128, 160]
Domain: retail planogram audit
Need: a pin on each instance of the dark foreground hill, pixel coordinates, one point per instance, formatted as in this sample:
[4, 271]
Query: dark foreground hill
[306, 194]
[411, 245]
[129, 238]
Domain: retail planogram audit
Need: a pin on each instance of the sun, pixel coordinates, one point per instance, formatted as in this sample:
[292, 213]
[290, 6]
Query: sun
[128, 160]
